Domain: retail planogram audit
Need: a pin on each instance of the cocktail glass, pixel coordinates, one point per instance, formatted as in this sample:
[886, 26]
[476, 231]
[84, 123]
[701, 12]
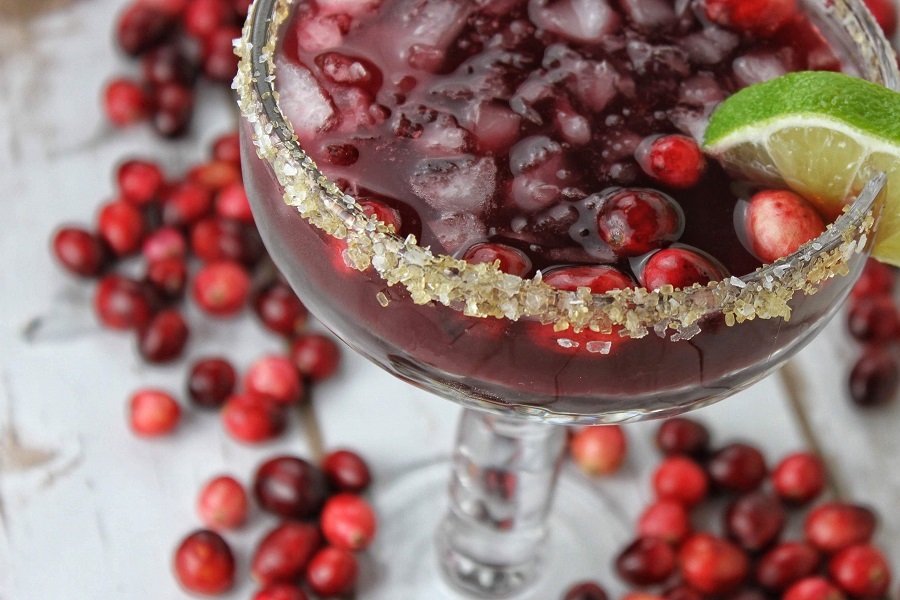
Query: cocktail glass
[521, 356]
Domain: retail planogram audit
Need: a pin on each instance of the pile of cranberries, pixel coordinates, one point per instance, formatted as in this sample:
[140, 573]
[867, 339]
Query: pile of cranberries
[324, 523]
[177, 42]
[745, 555]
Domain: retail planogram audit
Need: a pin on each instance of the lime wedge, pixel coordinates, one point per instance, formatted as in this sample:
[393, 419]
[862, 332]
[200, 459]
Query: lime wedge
[822, 134]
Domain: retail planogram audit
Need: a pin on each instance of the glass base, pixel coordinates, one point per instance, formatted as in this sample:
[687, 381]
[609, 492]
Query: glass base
[403, 561]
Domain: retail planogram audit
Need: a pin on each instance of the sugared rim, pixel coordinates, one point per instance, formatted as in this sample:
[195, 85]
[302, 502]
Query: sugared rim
[482, 290]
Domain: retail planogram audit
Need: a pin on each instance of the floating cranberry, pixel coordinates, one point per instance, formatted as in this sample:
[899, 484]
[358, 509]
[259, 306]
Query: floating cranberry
[680, 479]
[164, 337]
[799, 478]
[348, 522]
[173, 107]
[280, 310]
[510, 260]
[80, 252]
[203, 17]
[737, 468]
[332, 572]
[885, 13]
[585, 590]
[599, 450]
[220, 63]
[204, 563]
[316, 356]
[139, 181]
[755, 520]
[142, 27]
[349, 70]
[346, 471]
[667, 520]
[221, 288]
[712, 565]
[222, 503]
[215, 238]
[680, 435]
[814, 588]
[874, 378]
[280, 591]
[185, 204]
[834, 526]
[874, 319]
[211, 382]
[232, 203]
[680, 268]
[761, 17]
[636, 221]
[862, 571]
[779, 222]
[646, 561]
[290, 487]
[597, 278]
[876, 279]
[383, 213]
[284, 552]
[253, 419]
[153, 413]
[786, 564]
[227, 148]
[274, 377]
[673, 160]
[121, 226]
[122, 303]
[126, 102]
[169, 64]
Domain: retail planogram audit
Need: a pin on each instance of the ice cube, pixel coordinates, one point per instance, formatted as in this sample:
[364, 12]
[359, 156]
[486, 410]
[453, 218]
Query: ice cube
[532, 152]
[650, 14]
[757, 67]
[495, 127]
[700, 90]
[444, 136]
[456, 231]
[690, 121]
[709, 46]
[530, 92]
[321, 32]
[461, 184]
[578, 20]
[649, 59]
[307, 106]
[349, 7]
[530, 193]
[432, 23]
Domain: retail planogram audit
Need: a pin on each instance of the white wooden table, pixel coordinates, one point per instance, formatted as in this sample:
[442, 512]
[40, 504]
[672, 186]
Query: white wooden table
[89, 511]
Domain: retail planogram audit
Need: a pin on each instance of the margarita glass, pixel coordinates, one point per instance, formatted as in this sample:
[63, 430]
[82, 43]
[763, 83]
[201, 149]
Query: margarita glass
[517, 352]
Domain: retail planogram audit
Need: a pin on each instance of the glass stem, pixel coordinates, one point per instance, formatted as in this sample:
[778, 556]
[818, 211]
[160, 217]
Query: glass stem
[501, 489]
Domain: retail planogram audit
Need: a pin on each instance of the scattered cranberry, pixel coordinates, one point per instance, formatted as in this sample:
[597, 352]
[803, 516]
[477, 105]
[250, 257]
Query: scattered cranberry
[332, 572]
[585, 590]
[253, 419]
[139, 181]
[290, 487]
[222, 503]
[873, 319]
[142, 27]
[786, 564]
[274, 377]
[779, 222]
[665, 519]
[168, 276]
[280, 310]
[221, 288]
[877, 278]
[203, 17]
[163, 243]
[80, 252]
[122, 303]
[599, 450]
[680, 479]
[755, 520]
[228, 148]
[680, 268]
[204, 563]
[126, 102]
[220, 63]
[636, 221]
[510, 260]
[799, 478]
[153, 413]
[814, 588]
[641, 596]
[673, 160]
[597, 278]
[211, 382]
[174, 106]
[346, 471]
[185, 204]
[225, 239]
[836, 525]
[232, 203]
[680, 435]
[168, 64]
[164, 337]
[712, 565]
[682, 592]
[280, 591]
[284, 552]
[646, 561]
[761, 17]
[862, 571]
[874, 378]
[316, 356]
[737, 468]
[215, 175]
[121, 226]
[348, 522]
[885, 13]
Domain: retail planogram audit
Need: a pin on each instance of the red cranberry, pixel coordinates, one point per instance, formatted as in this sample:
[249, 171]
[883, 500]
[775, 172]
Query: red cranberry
[185, 204]
[126, 102]
[755, 520]
[316, 356]
[597, 278]
[343, 155]
[203, 17]
[215, 175]
[173, 8]
[164, 337]
[284, 552]
[646, 561]
[142, 27]
[80, 252]
[509, 259]
[153, 413]
[174, 106]
[585, 590]
[221, 288]
[232, 203]
[346, 471]
[885, 12]
[204, 563]
[761, 17]
[290, 487]
[348, 522]
[122, 303]
[799, 478]
[276, 378]
[349, 70]
[737, 468]
[139, 181]
[599, 450]
[241, 8]
[779, 222]
[224, 239]
[168, 276]
[862, 571]
[211, 382]
[814, 588]
[169, 64]
[673, 160]
[164, 243]
[786, 564]
[877, 278]
[636, 221]
[874, 378]
[712, 565]
[667, 520]
[121, 226]
[836, 525]
[639, 595]
[680, 479]
[253, 419]
[227, 148]
[682, 592]
[222, 503]
[220, 63]
[680, 435]
[874, 319]
[280, 591]
[680, 268]
[382, 212]
[332, 572]
[280, 310]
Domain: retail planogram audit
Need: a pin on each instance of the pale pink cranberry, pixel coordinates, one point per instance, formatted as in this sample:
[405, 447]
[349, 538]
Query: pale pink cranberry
[80, 252]
[634, 221]
[346, 471]
[221, 288]
[122, 303]
[779, 222]
[761, 17]
[885, 12]
[204, 564]
[163, 243]
[139, 181]
[280, 310]
[276, 378]
[121, 226]
[227, 147]
[163, 339]
[316, 356]
[153, 413]
[383, 213]
[665, 519]
[232, 203]
[185, 204]
[215, 175]
[219, 61]
[211, 381]
[173, 105]
[280, 591]
[509, 260]
[597, 278]
[126, 102]
[673, 160]
[203, 17]
[786, 564]
[837, 525]
[755, 520]
[253, 419]
[142, 27]
[814, 588]
[348, 522]
[799, 478]
[599, 450]
[168, 276]
[712, 565]
[737, 468]
[862, 571]
[222, 503]
[646, 561]
[680, 479]
[332, 572]
[680, 268]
